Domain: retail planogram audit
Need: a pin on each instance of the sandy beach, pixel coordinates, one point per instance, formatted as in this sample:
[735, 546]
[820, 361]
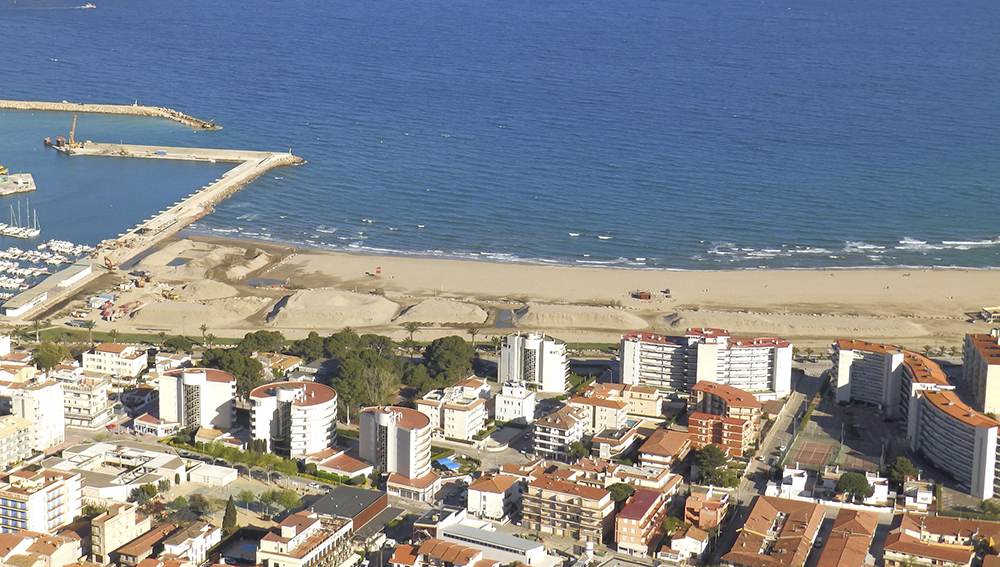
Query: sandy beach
[325, 291]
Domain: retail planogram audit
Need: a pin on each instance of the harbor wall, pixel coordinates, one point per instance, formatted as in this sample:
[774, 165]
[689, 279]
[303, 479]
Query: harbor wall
[129, 109]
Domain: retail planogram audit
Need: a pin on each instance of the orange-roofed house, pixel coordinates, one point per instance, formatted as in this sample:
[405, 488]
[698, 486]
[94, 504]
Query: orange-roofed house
[305, 539]
[120, 361]
[918, 539]
[600, 410]
[495, 497]
[554, 433]
[727, 401]
[564, 508]
[706, 509]
[438, 552]
[665, 449]
[850, 539]
[776, 533]
[639, 526]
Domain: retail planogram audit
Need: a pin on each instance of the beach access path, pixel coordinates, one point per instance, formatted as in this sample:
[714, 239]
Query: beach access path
[129, 109]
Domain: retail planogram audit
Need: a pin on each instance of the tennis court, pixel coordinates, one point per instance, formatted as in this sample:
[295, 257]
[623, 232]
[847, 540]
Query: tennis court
[810, 453]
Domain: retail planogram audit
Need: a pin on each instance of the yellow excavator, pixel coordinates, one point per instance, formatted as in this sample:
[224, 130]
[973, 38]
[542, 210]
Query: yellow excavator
[3, 170]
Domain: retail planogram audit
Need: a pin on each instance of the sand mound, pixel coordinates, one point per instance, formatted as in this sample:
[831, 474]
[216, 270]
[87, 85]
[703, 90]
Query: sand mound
[329, 309]
[201, 258]
[765, 324]
[576, 317]
[203, 290]
[189, 315]
[443, 311]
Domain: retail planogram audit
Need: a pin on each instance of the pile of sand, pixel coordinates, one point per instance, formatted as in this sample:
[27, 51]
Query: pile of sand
[330, 309]
[443, 311]
[253, 259]
[201, 259]
[782, 325]
[540, 316]
[189, 316]
[203, 290]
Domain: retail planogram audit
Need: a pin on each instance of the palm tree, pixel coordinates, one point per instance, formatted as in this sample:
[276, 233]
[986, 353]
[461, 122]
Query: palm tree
[927, 350]
[204, 329]
[90, 324]
[473, 331]
[497, 341]
[38, 325]
[210, 340]
[954, 351]
[411, 328]
[114, 334]
[163, 338]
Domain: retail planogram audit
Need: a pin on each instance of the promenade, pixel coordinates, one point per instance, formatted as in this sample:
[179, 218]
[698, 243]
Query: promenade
[130, 109]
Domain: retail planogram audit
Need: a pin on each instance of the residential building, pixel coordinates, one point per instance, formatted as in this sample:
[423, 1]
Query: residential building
[686, 546]
[917, 496]
[496, 546]
[760, 366]
[981, 369]
[85, 397]
[357, 504]
[146, 424]
[32, 549]
[777, 533]
[641, 400]
[867, 372]
[794, 484]
[15, 440]
[554, 433]
[198, 397]
[726, 401]
[193, 542]
[849, 540]
[39, 501]
[600, 410]
[568, 509]
[639, 525]
[706, 508]
[457, 412]
[307, 539]
[494, 497]
[113, 470]
[537, 360]
[124, 361]
[601, 473]
[733, 435]
[438, 552]
[665, 449]
[340, 462]
[41, 403]
[149, 544]
[398, 441]
[295, 418]
[614, 443]
[120, 524]
[923, 540]
[514, 403]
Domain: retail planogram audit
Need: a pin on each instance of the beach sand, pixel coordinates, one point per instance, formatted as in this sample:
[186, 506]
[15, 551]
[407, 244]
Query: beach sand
[325, 291]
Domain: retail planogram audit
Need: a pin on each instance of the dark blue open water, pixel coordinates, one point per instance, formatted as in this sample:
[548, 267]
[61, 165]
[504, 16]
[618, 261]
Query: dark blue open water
[687, 134]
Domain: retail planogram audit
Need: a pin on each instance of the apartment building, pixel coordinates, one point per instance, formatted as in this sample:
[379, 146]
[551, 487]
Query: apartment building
[641, 400]
[726, 401]
[639, 526]
[41, 403]
[849, 540]
[600, 473]
[494, 497]
[307, 539]
[537, 360]
[125, 361]
[398, 441]
[981, 369]
[440, 553]
[760, 366]
[133, 553]
[39, 501]
[687, 546]
[706, 509]
[733, 435]
[601, 411]
[32, 549]
[554, 433]
[922, 540]
[665, 449]
[777, 533]
[198, 397]
[514, 403]
[867, 372]
[15, 440]
[85, 397]
[555, 506]
[457, 412]
[192, 542]
[295, 418]
[121, 524]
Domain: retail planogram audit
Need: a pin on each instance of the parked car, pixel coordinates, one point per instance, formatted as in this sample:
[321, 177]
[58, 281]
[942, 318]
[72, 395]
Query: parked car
[314, 485]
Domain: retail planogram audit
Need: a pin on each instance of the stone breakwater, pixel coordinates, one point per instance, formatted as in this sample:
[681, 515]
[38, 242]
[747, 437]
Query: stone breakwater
[133, 110]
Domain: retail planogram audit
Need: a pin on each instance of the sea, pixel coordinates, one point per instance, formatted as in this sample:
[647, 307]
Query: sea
[649, 134]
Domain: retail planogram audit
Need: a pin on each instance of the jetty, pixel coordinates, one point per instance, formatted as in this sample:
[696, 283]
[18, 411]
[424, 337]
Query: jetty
[114, 252]
[16, 183]
[130, 109]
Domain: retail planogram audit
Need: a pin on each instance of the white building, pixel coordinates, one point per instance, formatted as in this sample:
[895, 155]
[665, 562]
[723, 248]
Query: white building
[601, 411]
[867, 372]
[686, 546]
[307, 539]
[39, 501]
[193, 542]
[514, 403]
[41, 403]
[537, 360]
[761, 366]
[398, 441]
[15, 440]
[85, 397]
[198, 397]
[554, 433]
[116, 360]
[793, 484]
[981, 369]
[295, 418]
[495, 497]
[458, 412]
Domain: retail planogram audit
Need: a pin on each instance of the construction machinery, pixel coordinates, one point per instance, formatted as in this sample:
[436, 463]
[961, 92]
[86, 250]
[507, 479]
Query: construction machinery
[3, 170]
[72, 135]
[169, 294]
[109, 264]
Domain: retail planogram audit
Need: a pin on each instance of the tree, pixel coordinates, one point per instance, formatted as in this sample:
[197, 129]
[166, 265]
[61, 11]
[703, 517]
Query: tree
[229, 519]
[38, 326]
[49, 354]
[411, 328]
[673, 523]
[267, 498]
[90, 324]
[246, 496]
[927, 350]
[473, 331]
[163, 486]
[449, 356]
[114, 334]
[380, 384]
[497, 342]
[854, 484]
[900, 468]
[709, 457]
[179, 503]
[163, 337]
[201, 504]
[204, 329]
[578, 450]
[261, 341]
[91, 511]
[178, 342]
[309, 348]
[289, 499]
[142, 495]
[620, 492]
[246, 370]
[210, 340]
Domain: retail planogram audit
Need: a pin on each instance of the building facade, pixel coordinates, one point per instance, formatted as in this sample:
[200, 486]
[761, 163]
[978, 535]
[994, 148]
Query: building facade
[867, 372]
[600, 411]
[706, 509]
[457, 412]
[515, 403]
[116, 360]
[981, 369]
[397, 441]
[554, 433]
[114, 528]
[639, 526]
[42, 404]
[494, 497]
[295, 418]
[734, 436]
[198, 397]
[39, 501]
[537, 360]
[777, 533]
[15, 440]
[85, 397]
[307, 539]
[568, 509]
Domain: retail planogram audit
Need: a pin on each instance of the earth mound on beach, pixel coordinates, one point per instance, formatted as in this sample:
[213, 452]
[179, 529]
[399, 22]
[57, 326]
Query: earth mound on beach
[443, 311]
[189, 314]
[765, 324]
[204, 290]
[576, 317]
[330, 309]
[202, 259]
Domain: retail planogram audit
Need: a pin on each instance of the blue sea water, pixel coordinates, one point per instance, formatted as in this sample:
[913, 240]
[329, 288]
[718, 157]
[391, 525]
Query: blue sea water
[665, 134]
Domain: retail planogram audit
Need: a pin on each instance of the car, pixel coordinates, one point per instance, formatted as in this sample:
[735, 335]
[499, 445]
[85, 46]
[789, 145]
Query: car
[314, 485]
[781, 447]
[761, 459]
[111, 426]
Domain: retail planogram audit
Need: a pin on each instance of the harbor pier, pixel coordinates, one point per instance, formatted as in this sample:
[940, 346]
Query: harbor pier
[129, 109]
